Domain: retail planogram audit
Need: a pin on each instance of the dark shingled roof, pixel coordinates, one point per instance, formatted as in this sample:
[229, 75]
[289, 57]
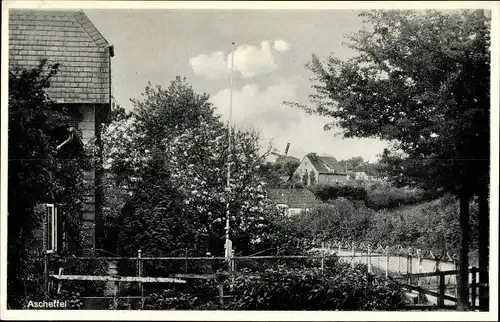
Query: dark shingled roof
[294, 198]
[68, 38]
[322, 163]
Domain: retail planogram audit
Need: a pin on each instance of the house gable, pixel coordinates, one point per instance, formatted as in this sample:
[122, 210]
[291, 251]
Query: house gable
[70, 39]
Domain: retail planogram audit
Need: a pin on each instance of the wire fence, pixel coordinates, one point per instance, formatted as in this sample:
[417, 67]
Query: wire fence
[136, 282]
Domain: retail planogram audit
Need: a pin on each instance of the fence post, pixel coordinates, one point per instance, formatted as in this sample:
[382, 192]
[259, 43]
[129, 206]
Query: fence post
[386, 261]
[419, 259]
[233, 262]
[322, 258]
[139, 273]
[353, 254]
[59, 283]
[221, 295]
[46, 275]
[115, 295]
[456, 276]
[442, 286]
[473, 286]
[409, 266]
[399, 262]
[369, 259]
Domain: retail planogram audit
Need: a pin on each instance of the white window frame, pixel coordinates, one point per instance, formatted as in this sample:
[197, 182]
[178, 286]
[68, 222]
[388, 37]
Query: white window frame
[51, 224]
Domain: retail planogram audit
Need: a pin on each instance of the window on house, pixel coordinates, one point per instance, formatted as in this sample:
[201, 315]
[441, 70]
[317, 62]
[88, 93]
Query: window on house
[51, 225]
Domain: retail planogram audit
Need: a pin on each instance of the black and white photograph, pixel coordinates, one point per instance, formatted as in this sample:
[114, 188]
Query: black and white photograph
[249, 160]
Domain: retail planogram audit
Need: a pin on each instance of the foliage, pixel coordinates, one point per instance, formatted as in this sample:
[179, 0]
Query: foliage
[384, 196]
[38, 173]
[340, 219]
[433, 226]
[311, 289]
[429, 226]
[198, 161]
[168, 300]
[170, 156]
[274, 173]
[422, 82]
[375, 196]
[425, 78]
[352, 163]
[329, 192]
[312, 177]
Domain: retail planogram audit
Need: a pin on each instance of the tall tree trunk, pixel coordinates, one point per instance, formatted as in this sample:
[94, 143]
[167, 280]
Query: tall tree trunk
[463, 265]
[484, 248]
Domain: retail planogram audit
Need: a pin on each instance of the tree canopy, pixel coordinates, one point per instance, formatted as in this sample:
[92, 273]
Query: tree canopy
[171, 154]
[38, 173]
[420, 81]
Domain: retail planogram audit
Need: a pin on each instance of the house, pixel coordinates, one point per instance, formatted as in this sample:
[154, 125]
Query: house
[293, 201]
[364, 172]
[83, 83]
[314, 169]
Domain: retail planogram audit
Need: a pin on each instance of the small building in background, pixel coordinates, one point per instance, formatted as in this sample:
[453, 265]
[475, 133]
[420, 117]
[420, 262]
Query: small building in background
[293, 201]
[315, 169]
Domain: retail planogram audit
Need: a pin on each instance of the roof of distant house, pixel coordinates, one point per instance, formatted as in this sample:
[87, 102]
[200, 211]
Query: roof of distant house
[323, 164]
[70, 39]
[369, 169]
[294, 198]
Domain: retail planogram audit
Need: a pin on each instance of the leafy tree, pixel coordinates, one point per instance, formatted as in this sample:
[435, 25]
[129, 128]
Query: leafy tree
[198, 161]
[115, 191]
[274, 174]
[171, 156]
[305, 178]
[38, 173]
[352, 163]
[422, 82]
[163, 114]
[312, 177]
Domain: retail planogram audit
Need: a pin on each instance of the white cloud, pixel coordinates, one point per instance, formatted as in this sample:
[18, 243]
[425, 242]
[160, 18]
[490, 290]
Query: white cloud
[212, 66]
[249, 61]
[258, 107]
[281, 45]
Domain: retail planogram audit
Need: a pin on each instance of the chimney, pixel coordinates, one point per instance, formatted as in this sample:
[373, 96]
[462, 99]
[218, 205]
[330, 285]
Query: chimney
[287, 147]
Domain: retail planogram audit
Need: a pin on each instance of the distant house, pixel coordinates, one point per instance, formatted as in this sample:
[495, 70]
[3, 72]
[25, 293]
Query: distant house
[364, 172]
[83, 83]
[293, 201]
[314, 169]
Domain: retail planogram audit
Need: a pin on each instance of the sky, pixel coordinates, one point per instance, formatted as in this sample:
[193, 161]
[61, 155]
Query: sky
[270, 52]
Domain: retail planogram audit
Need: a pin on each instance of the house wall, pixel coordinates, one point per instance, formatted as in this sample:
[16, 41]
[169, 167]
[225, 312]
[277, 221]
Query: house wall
[331, 179]
[85, 117]
[361, 176]
[305, 167]
[294, 211]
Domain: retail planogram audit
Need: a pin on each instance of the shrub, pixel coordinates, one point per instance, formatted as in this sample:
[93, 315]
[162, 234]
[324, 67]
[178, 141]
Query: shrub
[340, 219]
[387, 197]
[326, 193]
[310, 289]
[169, 300]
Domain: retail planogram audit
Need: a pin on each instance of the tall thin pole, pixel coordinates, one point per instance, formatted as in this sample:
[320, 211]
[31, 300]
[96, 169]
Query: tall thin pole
[229, 142]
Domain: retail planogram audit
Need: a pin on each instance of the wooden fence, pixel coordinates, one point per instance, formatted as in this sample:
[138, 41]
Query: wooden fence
[379, 260]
